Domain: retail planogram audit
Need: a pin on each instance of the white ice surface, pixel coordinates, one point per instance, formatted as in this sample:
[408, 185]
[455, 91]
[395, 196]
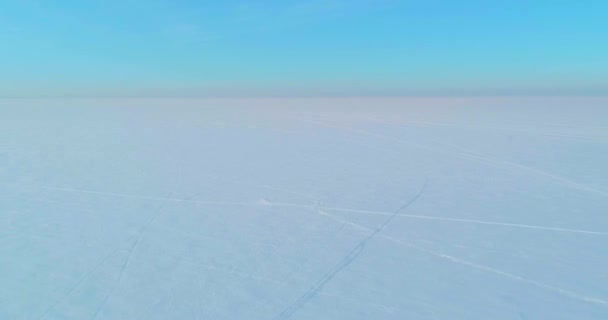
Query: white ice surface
[304, 209]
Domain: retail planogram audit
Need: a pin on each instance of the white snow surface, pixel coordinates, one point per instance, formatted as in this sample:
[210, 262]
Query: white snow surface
[334, 208]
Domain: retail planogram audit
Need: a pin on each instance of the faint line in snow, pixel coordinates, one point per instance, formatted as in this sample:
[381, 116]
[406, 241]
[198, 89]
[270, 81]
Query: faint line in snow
[125, 265]
[348, 259]
[447, 219]
[297, 205]
[469, 155]
[89, 274]
[477, 266]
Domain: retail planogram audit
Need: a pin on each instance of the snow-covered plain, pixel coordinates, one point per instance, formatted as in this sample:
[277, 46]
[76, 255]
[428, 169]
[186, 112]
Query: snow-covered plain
[424, 208]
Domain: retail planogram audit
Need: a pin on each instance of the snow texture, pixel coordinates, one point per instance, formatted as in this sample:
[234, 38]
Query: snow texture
[417, 208]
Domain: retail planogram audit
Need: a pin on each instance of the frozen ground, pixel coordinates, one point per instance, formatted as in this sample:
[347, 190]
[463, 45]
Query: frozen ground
[304, 209]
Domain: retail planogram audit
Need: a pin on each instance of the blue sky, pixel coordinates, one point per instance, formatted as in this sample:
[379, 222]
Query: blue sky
[332, 47]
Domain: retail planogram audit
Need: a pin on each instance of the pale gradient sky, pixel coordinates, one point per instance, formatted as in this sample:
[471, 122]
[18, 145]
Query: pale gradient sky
[292, 48]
